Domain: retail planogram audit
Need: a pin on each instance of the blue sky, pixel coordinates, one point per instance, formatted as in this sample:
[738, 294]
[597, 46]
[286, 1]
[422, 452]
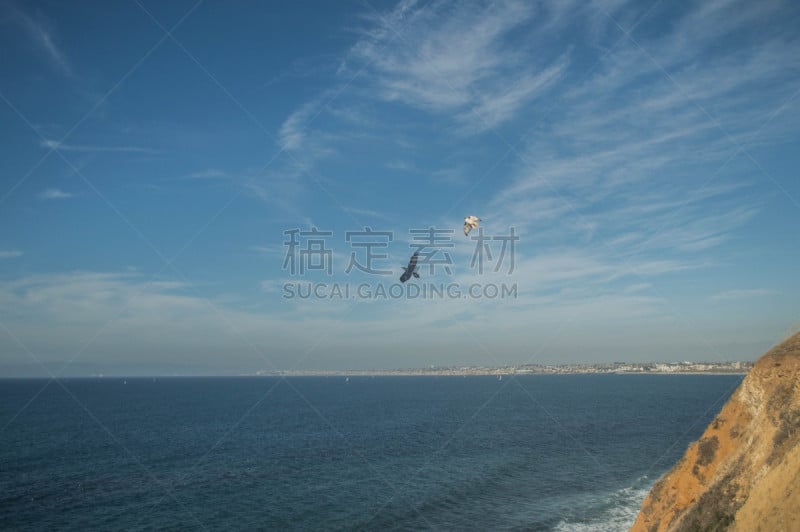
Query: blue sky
[153, 154]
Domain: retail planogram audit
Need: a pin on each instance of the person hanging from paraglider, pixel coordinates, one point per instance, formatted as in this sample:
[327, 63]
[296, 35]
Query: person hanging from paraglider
[411, 269]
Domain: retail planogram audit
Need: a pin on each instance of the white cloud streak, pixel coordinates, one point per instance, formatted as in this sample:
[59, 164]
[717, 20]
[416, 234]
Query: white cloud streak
[629, 178]
[741, 294]
[638, 158]
[455, 60]
[209, 173]
[54, 194]
[42, 37]
[60, 146]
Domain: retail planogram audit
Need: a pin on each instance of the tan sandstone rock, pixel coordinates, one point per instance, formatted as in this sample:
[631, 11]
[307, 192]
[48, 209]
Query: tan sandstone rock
[744, 471]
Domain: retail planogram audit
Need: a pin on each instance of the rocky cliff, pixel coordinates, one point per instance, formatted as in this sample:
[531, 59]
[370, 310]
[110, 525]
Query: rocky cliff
[744, 472]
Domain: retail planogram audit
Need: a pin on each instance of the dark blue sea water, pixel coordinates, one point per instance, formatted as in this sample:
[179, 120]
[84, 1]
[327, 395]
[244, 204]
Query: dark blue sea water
[563, 452]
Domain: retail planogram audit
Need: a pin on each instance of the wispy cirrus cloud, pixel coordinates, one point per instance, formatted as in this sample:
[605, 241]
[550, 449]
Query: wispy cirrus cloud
[493, 108]
[457, 61]
[302, 68]
[369, 213]
[209, 173]
[10, 254]
[54, 194]
[267, 250]
[618, 160]
[402, 166]
[631, 169]
[296, 133]
[292, 132]
[41, 34]
[741, 294]
[303, 142]
[61, 146]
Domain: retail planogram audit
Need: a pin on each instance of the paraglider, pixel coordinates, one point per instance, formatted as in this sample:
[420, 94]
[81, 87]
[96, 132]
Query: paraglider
[411, 269]
[470, 223]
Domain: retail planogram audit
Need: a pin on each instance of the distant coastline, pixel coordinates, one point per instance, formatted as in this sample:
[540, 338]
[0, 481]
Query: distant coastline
[614, 368]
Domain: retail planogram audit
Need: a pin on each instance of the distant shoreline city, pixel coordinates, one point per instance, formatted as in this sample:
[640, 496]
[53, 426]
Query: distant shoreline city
[654, 368]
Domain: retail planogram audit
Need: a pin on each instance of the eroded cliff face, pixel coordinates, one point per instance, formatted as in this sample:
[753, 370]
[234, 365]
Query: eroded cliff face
[744, 472]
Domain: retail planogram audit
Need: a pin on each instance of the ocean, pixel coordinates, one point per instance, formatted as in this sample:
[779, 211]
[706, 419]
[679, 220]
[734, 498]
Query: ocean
[533, 452]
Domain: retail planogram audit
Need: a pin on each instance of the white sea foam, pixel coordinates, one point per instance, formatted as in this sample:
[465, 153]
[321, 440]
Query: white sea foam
[610, 512]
